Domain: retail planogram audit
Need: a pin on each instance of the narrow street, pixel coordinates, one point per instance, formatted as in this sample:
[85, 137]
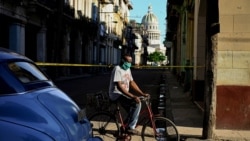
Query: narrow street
[179, 107]
[79, 88]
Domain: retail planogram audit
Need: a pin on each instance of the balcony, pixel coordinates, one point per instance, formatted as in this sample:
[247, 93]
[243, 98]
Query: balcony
[50, 6]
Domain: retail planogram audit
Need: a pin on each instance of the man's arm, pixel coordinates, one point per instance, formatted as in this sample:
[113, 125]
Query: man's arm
[123, 90]
[127, 93]
[135, 87]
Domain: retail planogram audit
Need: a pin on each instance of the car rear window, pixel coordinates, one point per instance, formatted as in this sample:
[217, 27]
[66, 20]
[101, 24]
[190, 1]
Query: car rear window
[26, 72]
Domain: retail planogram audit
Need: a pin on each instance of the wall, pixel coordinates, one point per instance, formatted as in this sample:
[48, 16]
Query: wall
[233, 72]
[199, 51]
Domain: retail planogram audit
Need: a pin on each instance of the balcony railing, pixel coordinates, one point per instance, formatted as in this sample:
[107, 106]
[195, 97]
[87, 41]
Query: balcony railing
[47, 3]
[50, 5]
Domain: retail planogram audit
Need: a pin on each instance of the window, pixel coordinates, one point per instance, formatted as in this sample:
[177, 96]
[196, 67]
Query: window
[26, 72]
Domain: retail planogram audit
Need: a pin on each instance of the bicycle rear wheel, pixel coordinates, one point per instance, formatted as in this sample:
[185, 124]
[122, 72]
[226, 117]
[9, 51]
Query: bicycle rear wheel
[104, 125]
[165, 130]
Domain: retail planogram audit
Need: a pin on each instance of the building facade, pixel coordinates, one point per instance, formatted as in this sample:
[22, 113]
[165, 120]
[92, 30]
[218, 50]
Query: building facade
[147, 38]
[69, 31]
[211, 36]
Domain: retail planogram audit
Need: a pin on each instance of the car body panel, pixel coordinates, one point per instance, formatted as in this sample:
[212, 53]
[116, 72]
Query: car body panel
[26, 110]
[68, 113]
[10, 131]
[36, 109]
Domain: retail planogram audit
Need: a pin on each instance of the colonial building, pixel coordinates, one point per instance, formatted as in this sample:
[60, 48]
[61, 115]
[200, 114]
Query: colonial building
[65, 31]
[210, 40]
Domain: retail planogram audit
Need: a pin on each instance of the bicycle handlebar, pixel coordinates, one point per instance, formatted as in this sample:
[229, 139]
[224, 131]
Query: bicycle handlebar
[143, 98]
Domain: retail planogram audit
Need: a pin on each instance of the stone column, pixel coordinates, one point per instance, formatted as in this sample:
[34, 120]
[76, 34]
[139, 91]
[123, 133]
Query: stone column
[17, 37]
[77, 52]
[78, 48]
[137, 58]
[41, 45]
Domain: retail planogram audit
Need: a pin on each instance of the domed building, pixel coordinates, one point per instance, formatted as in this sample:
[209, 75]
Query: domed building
[151, 25]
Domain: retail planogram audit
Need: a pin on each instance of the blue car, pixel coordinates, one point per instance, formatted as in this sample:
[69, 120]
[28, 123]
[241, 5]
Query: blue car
[32, 108]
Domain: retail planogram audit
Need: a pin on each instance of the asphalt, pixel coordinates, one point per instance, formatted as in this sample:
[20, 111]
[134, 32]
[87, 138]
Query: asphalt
[183, 111]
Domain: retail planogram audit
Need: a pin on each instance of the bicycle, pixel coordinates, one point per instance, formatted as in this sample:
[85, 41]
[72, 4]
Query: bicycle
[110, 126]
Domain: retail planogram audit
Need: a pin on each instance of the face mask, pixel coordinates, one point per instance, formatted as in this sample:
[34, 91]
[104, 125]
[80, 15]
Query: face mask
[126, 65]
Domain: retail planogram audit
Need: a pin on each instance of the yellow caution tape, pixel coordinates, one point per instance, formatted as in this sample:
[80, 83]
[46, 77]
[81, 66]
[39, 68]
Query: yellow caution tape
[97, 65]
[68, 65]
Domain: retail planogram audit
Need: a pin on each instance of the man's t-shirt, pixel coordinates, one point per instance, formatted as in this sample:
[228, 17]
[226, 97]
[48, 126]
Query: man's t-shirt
[118, 74]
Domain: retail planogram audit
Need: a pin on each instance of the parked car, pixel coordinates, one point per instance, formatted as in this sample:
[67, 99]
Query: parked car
[33, 108]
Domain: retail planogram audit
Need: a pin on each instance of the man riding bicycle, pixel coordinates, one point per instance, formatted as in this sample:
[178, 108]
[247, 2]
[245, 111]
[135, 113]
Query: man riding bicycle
[119, 90]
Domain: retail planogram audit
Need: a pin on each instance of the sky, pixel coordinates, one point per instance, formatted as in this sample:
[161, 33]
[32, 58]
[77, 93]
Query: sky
[140, 8]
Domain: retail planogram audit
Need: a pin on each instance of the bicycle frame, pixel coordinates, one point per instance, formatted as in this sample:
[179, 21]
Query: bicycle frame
[147, 112]
[151, 124]
[118, 112]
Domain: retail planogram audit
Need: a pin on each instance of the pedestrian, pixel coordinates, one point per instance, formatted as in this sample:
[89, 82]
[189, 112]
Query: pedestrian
[121, 82]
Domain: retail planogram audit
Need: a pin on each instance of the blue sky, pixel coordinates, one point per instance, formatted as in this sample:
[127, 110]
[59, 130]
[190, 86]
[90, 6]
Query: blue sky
[140, 8]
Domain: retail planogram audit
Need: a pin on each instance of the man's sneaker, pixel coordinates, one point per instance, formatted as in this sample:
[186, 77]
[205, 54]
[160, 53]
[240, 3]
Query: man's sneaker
[133, 131]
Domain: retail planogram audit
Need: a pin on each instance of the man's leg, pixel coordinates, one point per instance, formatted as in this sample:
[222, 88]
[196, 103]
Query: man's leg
[133, 109]
[134, 112]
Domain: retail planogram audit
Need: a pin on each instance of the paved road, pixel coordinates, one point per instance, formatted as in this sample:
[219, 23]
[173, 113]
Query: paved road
[179, 107]
[79, 88]
[186, 115]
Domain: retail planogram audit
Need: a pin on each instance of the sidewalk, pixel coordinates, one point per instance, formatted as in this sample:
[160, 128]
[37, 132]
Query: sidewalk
[188, 116]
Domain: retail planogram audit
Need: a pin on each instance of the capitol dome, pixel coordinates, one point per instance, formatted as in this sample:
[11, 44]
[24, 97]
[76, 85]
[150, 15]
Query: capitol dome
[151, 25]
[149, 17]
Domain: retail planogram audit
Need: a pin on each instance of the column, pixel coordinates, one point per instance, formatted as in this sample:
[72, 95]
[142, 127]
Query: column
[109, 55]
[137, 58]
[77, 52]
[66, 52]
[17, 37]
[94, 56]
[78, 48]
[41, 45]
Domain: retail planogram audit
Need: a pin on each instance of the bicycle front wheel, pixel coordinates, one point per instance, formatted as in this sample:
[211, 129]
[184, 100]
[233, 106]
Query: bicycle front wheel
[104, 125]
[165, 130]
